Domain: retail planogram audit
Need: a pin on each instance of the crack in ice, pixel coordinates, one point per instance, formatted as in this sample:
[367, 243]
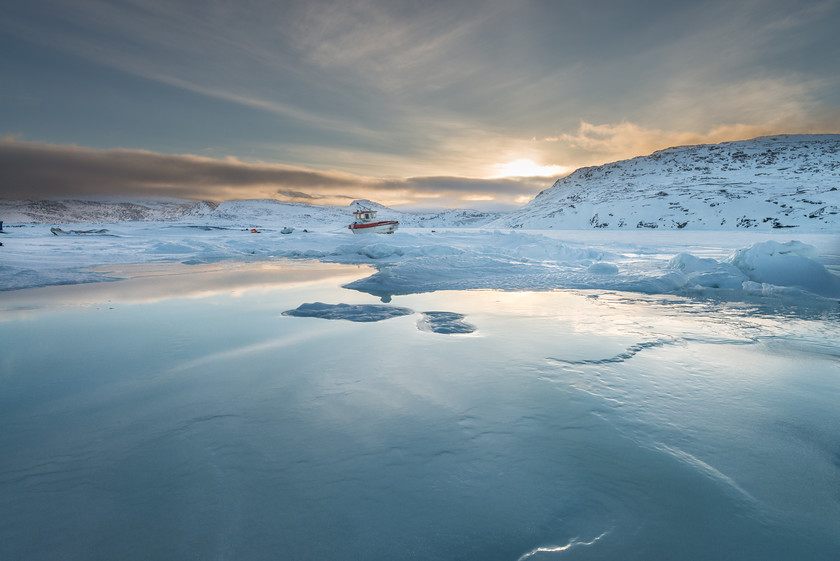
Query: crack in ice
[707, 469]
[629, 353]
[554, 549]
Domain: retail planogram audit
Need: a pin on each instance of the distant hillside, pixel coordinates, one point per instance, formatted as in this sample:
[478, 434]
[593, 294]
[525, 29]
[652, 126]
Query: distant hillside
[70, 211]
[245, 212]
[790, 181]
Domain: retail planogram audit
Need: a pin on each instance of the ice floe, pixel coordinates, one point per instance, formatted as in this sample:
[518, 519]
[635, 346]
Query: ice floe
[788, 264]
[350, 312]
[447, 323]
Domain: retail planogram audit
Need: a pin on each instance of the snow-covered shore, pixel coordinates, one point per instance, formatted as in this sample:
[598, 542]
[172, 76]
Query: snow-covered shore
[733, 220]
[731, 265]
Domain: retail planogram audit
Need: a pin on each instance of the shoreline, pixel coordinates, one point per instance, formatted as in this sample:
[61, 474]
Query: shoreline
[416, 260]
[154, 282]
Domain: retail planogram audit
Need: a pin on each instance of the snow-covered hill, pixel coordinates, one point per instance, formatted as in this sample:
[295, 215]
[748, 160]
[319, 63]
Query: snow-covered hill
[790, 181]
[72, 211]
[256, 212]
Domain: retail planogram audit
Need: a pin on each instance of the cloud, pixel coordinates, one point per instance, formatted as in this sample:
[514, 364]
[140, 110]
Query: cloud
[394, 45]
[29, 169]
[443, 89]
[299, 195]
[50, 170]
[594, 144]
[43, 171]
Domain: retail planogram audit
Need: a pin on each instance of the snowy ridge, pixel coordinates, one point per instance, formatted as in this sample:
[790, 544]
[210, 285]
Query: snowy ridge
[770, 182]
[766, 183]
[254, 212]
[105, 211]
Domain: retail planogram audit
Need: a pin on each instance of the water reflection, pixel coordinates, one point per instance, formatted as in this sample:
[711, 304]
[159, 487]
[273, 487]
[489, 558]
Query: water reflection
[449, 323]
[149, 283]
[205, 423]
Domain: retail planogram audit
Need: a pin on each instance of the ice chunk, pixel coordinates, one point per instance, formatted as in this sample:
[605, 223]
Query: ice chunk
[452, 272]
[601, 268]
[350, 312]
[786, 265]
[372, 251]
[707, 273]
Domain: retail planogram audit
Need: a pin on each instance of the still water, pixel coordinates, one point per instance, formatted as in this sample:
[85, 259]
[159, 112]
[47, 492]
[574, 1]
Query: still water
[181, 415]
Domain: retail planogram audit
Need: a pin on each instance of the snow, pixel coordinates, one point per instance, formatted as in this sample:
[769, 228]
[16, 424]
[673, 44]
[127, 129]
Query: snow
[779, 182]
[735, 220]
[770, 183]
[732, 265]
[517, 394]
[253, 213]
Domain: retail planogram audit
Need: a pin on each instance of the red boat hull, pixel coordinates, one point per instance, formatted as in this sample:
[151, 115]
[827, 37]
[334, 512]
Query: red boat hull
[382, 227]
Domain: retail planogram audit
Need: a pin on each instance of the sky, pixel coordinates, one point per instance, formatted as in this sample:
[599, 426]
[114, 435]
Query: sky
[478, 104]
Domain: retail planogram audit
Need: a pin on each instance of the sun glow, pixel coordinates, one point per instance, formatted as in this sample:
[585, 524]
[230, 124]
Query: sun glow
[524, 167]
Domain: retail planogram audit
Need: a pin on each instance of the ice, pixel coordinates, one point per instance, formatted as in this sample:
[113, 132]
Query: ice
[14, 278]
[371, 251]
[767, 268]
[181, 415]
[603, 269]
[789, 264]
[578, 394]
[448, 323]
[454, 272]
[350, 312]
[707, 273]
[734, 265]
[556, 549]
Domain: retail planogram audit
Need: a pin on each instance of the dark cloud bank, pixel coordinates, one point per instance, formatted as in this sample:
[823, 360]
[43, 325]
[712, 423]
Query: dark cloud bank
[30, 170]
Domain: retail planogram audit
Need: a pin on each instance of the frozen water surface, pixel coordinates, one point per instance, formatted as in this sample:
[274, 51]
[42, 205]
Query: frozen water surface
[181, 415]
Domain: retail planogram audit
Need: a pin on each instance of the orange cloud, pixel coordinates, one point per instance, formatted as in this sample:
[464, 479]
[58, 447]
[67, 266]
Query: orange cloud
[598, 144]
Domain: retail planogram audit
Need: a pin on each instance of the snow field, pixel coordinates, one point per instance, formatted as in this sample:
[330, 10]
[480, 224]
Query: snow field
[732, 265]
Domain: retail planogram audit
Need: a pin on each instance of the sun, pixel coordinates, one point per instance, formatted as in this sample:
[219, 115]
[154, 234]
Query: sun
[524, 167]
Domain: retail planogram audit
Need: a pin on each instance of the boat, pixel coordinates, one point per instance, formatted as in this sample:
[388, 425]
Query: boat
[365, 222]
